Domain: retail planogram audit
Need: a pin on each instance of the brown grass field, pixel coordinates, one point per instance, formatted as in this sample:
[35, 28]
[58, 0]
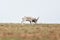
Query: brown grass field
[16, 31]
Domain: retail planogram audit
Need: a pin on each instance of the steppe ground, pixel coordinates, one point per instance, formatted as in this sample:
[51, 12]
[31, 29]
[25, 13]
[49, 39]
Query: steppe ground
[16, 31]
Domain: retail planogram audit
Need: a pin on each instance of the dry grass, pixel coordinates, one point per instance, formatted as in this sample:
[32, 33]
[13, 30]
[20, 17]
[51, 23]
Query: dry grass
[29, 32]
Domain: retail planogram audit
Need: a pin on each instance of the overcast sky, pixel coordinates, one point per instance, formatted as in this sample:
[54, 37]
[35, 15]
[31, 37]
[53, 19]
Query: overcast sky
[11, 11]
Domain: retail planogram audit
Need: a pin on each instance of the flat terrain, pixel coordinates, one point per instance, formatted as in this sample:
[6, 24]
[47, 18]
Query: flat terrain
[16, 31]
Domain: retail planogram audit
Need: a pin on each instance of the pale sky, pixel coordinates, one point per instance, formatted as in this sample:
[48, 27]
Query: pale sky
[11, 11]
